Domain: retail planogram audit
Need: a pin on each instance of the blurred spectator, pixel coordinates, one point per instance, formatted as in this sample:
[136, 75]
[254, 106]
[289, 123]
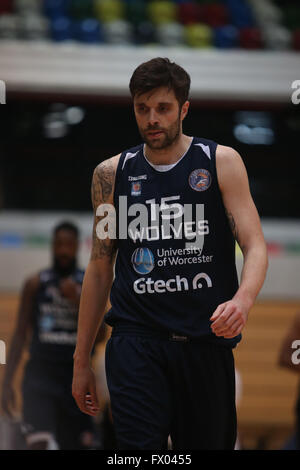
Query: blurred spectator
[289, 357]
[246, 24]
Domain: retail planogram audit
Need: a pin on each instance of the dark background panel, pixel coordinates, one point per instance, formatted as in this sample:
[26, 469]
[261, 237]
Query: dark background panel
[47, 162]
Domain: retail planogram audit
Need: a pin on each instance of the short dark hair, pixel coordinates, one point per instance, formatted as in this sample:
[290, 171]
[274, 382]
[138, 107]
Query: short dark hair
[66, 225]
[159, 72]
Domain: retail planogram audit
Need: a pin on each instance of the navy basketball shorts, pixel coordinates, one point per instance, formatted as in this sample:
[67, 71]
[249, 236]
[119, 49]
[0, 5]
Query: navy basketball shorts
[49, 407]
[162, 387]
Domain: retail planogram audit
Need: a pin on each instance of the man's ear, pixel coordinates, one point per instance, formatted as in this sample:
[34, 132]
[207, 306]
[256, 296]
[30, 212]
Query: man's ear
[184, 109]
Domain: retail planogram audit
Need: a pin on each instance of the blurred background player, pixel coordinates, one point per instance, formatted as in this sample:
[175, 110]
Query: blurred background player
[48, 313]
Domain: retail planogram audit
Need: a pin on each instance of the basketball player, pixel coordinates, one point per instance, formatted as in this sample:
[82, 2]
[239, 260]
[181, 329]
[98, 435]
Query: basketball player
[177, 309]
[48, 312]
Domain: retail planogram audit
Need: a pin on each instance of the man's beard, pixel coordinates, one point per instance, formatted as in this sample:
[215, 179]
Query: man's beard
[169, 137]
[64, 270]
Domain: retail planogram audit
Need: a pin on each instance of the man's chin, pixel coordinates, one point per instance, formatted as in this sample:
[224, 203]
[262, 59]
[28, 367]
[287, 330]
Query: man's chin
[156, 144]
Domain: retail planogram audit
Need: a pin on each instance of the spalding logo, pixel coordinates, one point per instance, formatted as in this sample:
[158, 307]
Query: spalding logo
[200, 179]
[142, 260]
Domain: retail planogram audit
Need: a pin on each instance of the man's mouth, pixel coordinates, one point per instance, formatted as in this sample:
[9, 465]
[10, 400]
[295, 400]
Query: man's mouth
[155, 134]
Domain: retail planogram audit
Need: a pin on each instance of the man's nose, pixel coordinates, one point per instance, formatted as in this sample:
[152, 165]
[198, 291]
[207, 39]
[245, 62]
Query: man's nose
[153, 118]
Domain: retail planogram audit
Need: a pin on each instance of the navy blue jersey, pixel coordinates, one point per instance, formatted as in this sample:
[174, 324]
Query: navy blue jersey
[173, 270]
[54, 319]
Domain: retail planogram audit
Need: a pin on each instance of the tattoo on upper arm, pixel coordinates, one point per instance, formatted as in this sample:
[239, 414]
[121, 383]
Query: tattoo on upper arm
[102, 183]
[102, 186]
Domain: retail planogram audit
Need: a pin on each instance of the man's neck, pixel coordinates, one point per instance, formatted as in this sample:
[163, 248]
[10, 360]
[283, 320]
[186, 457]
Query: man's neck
[171, 154]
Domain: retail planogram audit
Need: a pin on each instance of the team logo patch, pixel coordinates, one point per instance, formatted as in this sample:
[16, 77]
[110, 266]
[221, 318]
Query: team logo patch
[200, 180]
[136, 188]
[142, 260]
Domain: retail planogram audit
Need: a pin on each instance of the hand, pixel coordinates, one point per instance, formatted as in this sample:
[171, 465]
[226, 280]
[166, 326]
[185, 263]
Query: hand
[84, 390]
[70, 289]
[8, 400]
[229, 319]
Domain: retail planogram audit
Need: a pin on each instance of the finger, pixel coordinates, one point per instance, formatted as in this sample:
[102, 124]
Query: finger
[230, 328]
[85, 408]
[94, 397]
[88, 399]
[218, 312]
[89, 404]
[92, 410]
[80, 400]
[234, 330]
[219, 328]
[228, 310]
[234, 334]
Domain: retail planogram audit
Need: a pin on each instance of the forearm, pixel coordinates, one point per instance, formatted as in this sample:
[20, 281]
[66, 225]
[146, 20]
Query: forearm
[94, 295]
[253, 273]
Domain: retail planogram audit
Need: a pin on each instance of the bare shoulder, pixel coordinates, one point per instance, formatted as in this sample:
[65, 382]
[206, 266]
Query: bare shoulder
[102, 192]
[227, 155]
[230, 165]
[104, 180]
[110, 164]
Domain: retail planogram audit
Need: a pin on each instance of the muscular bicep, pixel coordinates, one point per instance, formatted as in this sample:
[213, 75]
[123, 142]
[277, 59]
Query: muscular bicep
[239, 206]
[104, 244]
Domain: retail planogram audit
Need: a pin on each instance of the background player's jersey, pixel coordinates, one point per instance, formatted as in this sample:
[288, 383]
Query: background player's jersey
[54, 319]
[176, 263]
